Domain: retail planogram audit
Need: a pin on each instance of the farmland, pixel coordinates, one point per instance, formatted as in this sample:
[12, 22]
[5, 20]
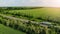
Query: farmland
[7, 30]
[29, 20]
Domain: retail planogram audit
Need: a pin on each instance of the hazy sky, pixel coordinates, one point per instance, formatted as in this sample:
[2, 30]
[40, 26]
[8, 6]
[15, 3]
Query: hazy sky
[30, 3]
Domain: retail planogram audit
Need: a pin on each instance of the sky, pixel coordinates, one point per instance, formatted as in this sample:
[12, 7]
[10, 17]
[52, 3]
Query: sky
[49, 3]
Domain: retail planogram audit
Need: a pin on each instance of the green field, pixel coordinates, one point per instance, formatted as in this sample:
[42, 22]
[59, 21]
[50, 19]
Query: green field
[17, 19]
[52, 14]
[8, 30]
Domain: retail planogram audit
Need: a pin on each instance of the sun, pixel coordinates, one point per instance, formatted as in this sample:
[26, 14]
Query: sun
[56, 3]
[51, 3]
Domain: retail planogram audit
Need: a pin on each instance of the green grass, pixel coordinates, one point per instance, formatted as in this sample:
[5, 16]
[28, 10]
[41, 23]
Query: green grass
[7, 30]
[44, 13]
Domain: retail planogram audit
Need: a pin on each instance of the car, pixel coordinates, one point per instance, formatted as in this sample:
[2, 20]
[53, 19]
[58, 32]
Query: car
[45, 23]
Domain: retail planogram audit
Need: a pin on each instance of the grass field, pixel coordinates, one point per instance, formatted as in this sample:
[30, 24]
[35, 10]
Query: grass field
[51, 15]
[8, 30]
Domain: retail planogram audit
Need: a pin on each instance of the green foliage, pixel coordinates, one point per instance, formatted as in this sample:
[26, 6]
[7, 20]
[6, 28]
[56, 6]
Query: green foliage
[30, 28]
[8, 30]
[45, 14]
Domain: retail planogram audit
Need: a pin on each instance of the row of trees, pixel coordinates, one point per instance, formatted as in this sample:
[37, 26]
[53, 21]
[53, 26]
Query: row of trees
[18, 8]
[29, 28]
[25, 27]
[45, 18]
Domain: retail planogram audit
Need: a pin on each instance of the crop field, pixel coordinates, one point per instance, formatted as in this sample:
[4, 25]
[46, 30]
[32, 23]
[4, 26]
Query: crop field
[43, 13]
[40, 20]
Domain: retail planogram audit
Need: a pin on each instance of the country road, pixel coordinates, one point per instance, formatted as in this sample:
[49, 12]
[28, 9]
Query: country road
[23, 20]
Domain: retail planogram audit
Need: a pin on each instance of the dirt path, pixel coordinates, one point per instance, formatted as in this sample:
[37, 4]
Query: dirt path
[23, 20]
